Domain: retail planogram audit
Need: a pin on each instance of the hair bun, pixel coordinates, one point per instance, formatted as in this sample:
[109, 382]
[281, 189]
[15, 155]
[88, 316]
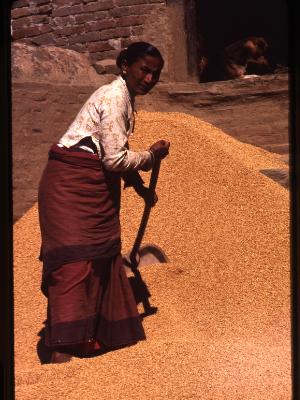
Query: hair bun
[121, 57]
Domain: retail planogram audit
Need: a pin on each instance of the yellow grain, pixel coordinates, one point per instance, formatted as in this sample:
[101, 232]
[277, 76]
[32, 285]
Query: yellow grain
[222, 330]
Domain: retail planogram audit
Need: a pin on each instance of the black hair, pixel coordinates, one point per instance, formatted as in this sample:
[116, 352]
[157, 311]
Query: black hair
[135, 51]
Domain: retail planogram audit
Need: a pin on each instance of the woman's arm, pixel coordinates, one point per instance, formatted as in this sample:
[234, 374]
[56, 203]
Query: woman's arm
[113, 139]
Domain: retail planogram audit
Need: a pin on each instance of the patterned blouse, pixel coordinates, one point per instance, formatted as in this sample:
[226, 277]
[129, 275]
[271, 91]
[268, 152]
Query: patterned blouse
[108, 118]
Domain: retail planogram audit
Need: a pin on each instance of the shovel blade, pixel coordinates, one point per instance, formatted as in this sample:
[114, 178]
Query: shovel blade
[152, 254]
[147, 255]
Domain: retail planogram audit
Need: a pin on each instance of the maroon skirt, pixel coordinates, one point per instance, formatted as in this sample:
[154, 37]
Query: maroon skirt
[89, 295]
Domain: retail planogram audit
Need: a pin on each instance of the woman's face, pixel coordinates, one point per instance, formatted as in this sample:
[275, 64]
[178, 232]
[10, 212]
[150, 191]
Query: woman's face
[142, 75]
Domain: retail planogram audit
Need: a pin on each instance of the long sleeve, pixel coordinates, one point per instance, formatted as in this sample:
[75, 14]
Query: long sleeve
[113, 139]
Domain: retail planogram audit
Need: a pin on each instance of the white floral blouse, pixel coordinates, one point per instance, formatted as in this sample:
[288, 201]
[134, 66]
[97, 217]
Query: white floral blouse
[108, 118]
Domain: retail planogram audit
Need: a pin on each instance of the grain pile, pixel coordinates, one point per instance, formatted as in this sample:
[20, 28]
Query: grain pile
[222, 330]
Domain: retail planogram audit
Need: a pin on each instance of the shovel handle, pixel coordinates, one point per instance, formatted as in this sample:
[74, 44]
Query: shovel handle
[147, 209]
[154, 175]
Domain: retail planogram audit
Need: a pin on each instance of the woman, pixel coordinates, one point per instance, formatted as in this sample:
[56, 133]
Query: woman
[90, 301]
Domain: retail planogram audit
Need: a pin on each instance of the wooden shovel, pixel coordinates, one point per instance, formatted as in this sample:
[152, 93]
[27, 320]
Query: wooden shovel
[145, 255]
[148, 254]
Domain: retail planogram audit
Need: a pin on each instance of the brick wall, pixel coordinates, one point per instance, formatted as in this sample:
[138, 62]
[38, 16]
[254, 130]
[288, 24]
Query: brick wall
[100, 28]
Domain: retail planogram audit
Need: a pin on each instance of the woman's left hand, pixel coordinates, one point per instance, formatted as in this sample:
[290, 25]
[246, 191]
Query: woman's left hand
[148, 195]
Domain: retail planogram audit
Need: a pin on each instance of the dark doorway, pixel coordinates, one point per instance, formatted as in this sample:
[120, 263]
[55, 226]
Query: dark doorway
[213, 25]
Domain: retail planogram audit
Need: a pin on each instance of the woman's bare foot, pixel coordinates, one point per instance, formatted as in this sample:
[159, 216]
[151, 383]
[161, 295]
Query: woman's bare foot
[57, 357]
[90, 347]
[64, 354]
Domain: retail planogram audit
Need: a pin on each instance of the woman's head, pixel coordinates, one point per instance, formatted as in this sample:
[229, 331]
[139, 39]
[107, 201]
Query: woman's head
[140, 64]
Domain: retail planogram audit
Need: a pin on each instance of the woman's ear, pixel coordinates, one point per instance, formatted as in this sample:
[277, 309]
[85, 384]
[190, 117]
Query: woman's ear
[124, 67]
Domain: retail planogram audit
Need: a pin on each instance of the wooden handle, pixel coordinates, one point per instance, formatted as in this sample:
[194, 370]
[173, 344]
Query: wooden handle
[154, 175]
[146, 213]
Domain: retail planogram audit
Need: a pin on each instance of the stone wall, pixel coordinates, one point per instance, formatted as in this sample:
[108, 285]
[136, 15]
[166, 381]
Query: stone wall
[100, 28]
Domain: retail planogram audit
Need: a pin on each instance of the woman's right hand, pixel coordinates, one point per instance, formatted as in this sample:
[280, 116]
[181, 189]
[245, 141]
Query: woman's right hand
[160, 149]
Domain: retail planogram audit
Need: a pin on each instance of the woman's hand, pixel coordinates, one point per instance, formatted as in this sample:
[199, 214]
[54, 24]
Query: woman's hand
[148, 195]
[160, 149]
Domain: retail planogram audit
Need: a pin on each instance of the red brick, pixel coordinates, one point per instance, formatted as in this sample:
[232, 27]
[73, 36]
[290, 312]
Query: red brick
[137, 30]
[65, 31]
[40, 2]
[25, 32]
[99, 25]
[85, 37]
[45, 28]
[131, 10]
[122, 31]
[20, 12]
[131, 20]
[46, 9]
[98, 46]
[25, 40]
[156, 1]
[20, 3]
[61, 41]
[82, 18]
[63, 11]
[90, 17]
[47, 38]
[99, 6]
[99, 15]
[35, 19]
[67, 2]
[130, 2]
[31, 31]
[21, 22]
[77, 29]
[81, 48]
[64, 21]
[107, 34]
[59, 3]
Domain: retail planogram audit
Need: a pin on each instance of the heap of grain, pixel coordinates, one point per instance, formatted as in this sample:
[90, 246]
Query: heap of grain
[222, 326]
